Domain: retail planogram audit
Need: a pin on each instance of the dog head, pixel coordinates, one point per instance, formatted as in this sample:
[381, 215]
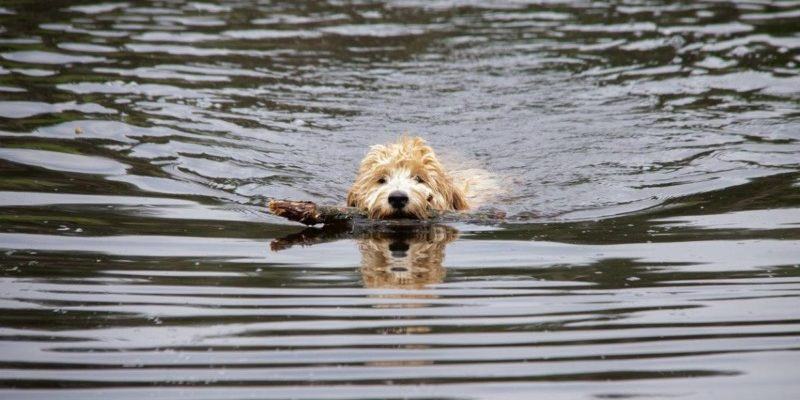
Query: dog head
[402, 180]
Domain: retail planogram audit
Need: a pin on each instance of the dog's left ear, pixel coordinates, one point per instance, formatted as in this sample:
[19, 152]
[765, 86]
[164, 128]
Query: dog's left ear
[458, 200]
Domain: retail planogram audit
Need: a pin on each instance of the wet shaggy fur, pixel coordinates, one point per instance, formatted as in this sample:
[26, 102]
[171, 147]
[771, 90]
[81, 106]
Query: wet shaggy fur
[409, 166]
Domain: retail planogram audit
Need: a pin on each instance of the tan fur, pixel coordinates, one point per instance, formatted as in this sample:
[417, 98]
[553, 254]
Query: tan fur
[411, 166]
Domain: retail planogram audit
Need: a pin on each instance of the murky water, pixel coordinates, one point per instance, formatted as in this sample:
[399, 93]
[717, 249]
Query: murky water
[654, 147]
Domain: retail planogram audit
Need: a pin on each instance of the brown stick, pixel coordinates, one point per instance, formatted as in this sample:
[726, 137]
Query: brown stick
[310, 213]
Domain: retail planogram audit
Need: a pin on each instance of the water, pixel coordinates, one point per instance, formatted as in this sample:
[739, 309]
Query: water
[651, 146]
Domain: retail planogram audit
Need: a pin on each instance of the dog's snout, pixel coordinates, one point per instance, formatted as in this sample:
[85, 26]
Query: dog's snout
[398, 199]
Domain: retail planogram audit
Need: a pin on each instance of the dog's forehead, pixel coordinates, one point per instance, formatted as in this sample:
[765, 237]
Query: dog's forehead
[397, 165]
[399, 172]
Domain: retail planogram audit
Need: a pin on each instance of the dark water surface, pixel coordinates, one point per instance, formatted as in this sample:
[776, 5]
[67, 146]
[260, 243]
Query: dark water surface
[653, 145]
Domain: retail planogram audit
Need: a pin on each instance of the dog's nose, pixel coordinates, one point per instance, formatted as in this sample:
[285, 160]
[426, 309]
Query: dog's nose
[398, 199]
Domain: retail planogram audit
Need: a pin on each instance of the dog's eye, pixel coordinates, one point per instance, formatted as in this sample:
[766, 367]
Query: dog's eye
[382, 181]
[419, 179]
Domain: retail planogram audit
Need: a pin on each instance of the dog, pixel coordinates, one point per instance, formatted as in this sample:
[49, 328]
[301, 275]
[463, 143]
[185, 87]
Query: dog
[404, 180]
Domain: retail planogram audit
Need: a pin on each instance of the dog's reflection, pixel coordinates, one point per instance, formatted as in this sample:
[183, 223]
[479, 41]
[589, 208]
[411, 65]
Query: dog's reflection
[405, 260]
[395, 257]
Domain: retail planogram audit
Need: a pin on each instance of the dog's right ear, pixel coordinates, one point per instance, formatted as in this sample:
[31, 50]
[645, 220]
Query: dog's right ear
[351, 198]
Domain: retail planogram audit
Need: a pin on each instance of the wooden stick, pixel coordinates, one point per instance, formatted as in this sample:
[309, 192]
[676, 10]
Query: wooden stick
[310, 213]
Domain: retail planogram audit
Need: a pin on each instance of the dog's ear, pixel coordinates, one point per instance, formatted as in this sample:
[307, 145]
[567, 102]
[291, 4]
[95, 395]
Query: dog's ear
[458, 200]
[351, 198]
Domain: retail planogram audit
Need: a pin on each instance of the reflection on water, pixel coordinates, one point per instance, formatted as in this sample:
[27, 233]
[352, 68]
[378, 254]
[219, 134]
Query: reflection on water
[651, 147]
[392, 257]
[405, 260]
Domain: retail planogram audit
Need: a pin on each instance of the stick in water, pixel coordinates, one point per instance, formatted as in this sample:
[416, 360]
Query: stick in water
[310, 213]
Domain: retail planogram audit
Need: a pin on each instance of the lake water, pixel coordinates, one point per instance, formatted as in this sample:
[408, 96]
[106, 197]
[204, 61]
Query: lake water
[651, 150]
